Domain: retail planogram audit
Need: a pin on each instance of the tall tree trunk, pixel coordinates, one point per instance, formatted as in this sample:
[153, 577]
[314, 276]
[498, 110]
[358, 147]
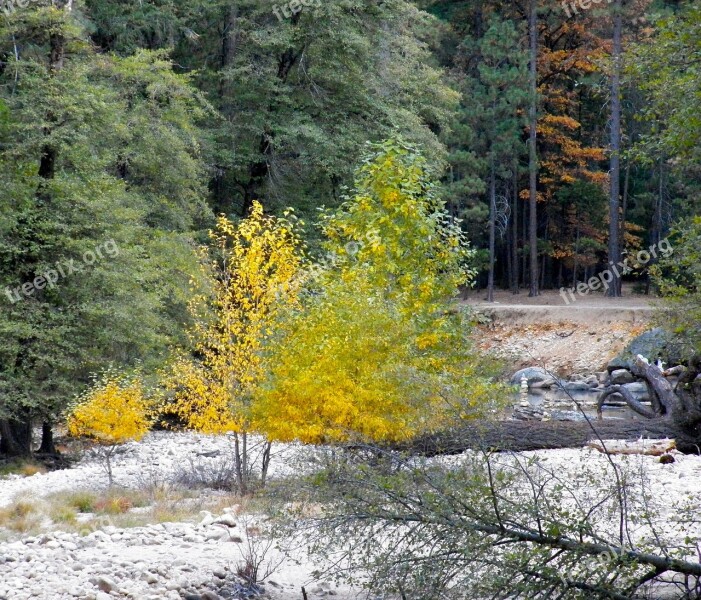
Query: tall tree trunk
[492, 229]
[575, 266]
[656, 227]
[614, 289]
[624, 210]
[47, 439]
[219, 185]
[15, 437]
[532, 151]
[544, 271]
[514, 231]
[524, 234]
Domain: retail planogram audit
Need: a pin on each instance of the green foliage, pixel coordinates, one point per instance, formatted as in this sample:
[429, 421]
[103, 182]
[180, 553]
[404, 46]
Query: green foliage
[299, 96]
[100, 165]
[678, 277]
[670, 77]
[490, 71]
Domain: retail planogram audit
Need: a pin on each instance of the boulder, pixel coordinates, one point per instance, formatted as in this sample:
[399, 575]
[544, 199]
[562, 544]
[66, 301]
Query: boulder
[621, 376]
[532, 374]
[544, 384]
[576, 386]
[653, 344]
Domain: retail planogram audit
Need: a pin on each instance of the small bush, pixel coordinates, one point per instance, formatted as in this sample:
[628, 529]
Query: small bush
[207, 474]
[20, 516]
[115, 505]
[21, 467]
[112, 412]
[83, 502]
[66, 515]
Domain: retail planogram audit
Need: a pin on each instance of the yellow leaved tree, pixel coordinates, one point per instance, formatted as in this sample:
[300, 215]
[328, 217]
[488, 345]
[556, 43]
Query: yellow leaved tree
[253, 269]
[379, 352]
[111, 412]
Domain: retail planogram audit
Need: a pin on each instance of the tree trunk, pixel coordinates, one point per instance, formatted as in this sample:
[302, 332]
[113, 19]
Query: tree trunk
[15, 437]
[47, 439]
[267, 449]
[532, 151]
[614, 289]
[521, 436]
[492, 230]
[240, 477]
[624, 210]
[514, 231]
[679, 406]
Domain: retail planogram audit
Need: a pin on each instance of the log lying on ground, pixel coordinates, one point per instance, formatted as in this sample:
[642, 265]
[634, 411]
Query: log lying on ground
[645, 447]
[521, 436]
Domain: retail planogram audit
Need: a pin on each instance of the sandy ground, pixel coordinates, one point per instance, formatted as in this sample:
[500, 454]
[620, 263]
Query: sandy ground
[543, 331]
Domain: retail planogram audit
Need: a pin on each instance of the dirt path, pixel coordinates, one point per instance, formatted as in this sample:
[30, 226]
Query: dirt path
[577, 338]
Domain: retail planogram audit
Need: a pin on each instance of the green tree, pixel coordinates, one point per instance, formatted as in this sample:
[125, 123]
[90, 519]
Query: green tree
[101, 181]
[678, 276]
[486, 142]
[300, 96]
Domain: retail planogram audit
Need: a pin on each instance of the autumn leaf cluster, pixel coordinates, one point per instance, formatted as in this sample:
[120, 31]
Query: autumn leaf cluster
[113, 411]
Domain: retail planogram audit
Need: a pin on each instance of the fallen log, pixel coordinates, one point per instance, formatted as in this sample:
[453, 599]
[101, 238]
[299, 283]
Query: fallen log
[519, 436]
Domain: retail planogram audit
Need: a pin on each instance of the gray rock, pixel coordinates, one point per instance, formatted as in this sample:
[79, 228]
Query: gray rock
[638, 389]
[530, 413]
[105, 584]
[532, 374]
[227, 519]
[544, 384]
[576, 386]
[567, 415]
[651, 344]
[621, 376]
[215, 533]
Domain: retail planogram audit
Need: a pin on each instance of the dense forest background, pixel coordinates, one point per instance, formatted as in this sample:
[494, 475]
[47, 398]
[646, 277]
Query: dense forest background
[564, 136]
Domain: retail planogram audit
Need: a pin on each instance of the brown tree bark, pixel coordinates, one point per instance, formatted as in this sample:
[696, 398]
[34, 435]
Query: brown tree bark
[15, 438]
[614, 289]
[492, 230]
[514, 231]
[532, 151]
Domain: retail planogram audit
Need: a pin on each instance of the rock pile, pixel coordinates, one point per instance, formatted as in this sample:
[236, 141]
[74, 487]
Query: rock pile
[167, 561]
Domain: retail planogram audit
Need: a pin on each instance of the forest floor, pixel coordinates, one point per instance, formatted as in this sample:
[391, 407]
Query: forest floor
[579, 338]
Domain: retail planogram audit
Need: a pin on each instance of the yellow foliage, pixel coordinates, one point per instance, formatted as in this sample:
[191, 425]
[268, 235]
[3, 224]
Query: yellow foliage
[255, 276]
[377, 353]
[114, 411]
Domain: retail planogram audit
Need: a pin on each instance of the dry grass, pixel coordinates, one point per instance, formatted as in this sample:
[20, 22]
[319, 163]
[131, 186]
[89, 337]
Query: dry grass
[84, 511]
[21, 517]
[25, 468]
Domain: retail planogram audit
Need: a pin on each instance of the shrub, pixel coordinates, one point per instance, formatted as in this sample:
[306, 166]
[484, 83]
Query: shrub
[112, 412]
